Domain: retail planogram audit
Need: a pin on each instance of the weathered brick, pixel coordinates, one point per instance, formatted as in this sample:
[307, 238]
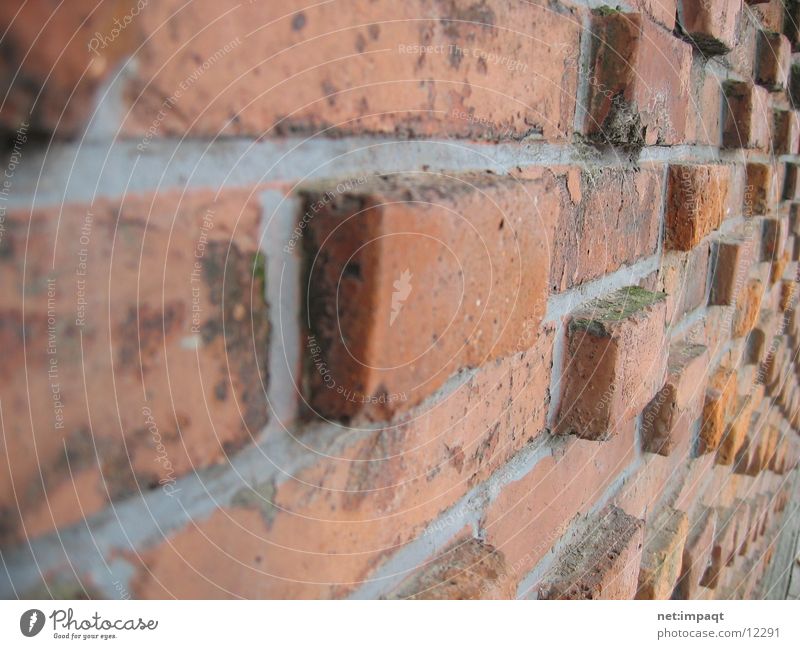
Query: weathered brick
[682, 276]
[113, 320]
[467, 570]
[47, 78]
[785, 132]
[615, 361]
[709, 26]
[723, 547]
[719, 402]
[377, 345]
[794, 85]
[748, 116]
[665, 537]
[530, 514]
[679, 403]
[759, 199]
[696, 198]
[769, 13]
[603, 565]
[638, 93]
[791, 186]
[413, 68]
[773, 239]
[736, 432]
[697, 553]
[704, 117]
[747, 308]
[614, 221]
[774, 57]
[791, 23]
[731, 262]
[662, 11]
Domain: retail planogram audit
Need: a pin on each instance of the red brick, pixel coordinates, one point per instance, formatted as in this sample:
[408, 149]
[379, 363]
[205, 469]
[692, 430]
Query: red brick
[774, 57]
[788, 294]
[791, 23]
[615, 221]
[785, 132]
[529, 515]
[679, 403]
[711, 25]
[136, 333]
[791, 186]
[665, 537]
[697, 553]
[638, 94]
[359, 69]
[704, 117]
[748, 116]
[696, 198]
[732, 261]
[683, 278]
[48, 77]
[475, 258]
[773, 239]
[794, 85]
[759, 198]
[342, 516]
[603, 565]
[747, 308]
[615, 361]
[662, 11]
[719, 403]
[723, 547]
[467, 570]
[769, 13]
[736, 431]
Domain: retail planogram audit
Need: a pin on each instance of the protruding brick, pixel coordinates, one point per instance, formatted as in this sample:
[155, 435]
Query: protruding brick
[720, 400]
[469, 569]
[773, 239]
[748, 116]
[758, 190]
[731, 261]
[723, 547]
[678, 404]
[682, 277]
[696, 199]
[791, 23]
[614, 362]
[665, 538]
[735, 433]
[615, 221]
[697, 553]
[637, 90]
[774, 55]
[412, 278]
[747, 308]
[791, 182]
[785, 132]
[603, 565]
[710, 25]
[662, 11]
[788, 294]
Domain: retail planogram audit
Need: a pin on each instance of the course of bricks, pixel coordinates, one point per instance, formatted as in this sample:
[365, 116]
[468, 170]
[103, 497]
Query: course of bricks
[423, 299]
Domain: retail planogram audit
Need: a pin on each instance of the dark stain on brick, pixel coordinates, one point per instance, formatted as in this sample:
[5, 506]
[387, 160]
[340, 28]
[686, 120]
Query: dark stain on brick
[236, 283]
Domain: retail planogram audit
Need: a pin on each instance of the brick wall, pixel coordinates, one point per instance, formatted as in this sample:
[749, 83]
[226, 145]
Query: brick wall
[437, 298]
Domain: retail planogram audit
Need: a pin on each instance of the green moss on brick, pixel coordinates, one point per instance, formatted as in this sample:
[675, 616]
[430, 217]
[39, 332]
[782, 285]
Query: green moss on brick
[620, 305]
